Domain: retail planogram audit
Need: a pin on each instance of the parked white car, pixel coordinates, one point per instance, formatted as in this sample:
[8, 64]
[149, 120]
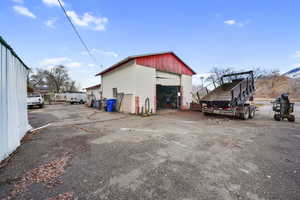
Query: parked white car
[35, 99]
[76, 98]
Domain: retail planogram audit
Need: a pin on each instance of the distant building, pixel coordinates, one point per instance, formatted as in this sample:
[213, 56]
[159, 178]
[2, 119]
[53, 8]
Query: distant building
[13, 100]
[150, 81]
[42, 89]
[93, 93]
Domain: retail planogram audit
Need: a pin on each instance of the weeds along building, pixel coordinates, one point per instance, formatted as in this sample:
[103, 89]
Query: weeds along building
[152, 81]
[13, 100]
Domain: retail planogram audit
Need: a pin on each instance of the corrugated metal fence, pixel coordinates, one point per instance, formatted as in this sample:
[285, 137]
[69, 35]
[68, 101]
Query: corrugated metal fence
[13, 103]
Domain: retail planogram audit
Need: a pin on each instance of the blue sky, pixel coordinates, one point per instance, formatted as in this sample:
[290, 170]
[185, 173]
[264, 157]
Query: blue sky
[240, 33]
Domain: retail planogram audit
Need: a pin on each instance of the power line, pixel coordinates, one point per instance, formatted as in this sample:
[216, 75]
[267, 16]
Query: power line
[77, 33]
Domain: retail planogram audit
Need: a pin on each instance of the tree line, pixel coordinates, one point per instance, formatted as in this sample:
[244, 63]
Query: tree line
[215, 74]
[55, 79]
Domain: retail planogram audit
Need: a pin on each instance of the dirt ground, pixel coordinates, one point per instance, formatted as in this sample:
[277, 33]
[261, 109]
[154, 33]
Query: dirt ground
[88, 154]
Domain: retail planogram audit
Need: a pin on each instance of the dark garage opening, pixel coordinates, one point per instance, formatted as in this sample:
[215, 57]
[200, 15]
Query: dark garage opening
[167, 97]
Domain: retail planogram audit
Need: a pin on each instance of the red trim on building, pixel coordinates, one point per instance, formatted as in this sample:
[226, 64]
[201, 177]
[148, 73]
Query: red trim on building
[154, 109]
[137, 105]
[166, 61]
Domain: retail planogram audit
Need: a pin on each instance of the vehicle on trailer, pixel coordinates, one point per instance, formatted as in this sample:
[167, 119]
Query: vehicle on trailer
[283, 108]
[35, 99]
[76, 97]
[233, 97]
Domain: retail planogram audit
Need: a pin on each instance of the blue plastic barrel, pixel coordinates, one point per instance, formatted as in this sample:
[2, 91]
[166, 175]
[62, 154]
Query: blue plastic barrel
[111, 104]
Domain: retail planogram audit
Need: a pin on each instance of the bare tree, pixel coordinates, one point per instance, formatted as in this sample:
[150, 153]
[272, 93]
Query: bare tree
[272, 75]
[57, 78]
[71, 86]
[258, 73]
[216, 74]
[37, 79]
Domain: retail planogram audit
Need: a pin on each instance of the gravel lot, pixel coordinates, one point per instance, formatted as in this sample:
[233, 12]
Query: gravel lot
[88, 154]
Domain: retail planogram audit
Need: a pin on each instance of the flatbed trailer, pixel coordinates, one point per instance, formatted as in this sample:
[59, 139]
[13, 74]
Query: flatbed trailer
[233, 97]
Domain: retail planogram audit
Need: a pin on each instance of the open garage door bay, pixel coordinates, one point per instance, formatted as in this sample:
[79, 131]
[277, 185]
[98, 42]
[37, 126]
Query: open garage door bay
[167, 90]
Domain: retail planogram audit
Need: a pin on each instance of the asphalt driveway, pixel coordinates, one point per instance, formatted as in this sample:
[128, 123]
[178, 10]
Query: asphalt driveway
[84, 153]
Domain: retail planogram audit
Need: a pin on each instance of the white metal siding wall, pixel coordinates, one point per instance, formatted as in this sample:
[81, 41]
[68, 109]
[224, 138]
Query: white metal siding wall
[167, 79]
[96, 93]
[13, 103]
[186, 84]
[123, 78]
[140, 81]
[145, 86]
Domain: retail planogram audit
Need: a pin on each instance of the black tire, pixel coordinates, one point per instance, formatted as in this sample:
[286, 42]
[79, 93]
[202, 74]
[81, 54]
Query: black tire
[291, 118]
[41, 106]
[246, 114]
[252, 113]
[206, 113]
[277, 117]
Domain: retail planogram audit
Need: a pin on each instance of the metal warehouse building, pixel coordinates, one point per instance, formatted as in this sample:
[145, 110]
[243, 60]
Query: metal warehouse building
[158, 81]
[13, 100]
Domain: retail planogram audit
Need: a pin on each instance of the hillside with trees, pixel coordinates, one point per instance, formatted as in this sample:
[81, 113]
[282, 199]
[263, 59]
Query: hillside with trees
[272, 87]
[268, 83]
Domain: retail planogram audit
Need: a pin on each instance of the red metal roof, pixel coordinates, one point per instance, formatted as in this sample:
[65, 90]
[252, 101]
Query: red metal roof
[93, 87]
[165, 61]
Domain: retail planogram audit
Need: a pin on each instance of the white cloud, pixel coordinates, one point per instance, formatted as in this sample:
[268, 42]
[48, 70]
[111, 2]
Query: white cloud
[88, 20]
[101, 52]
[24, 11]
[110, 53]
[54, 61]
[68, 62]
[296, 55]
[233, 22]
[18, 1]
[230, 22]
[50, 23]
[74, 64]
[197, 79]
[52, 3]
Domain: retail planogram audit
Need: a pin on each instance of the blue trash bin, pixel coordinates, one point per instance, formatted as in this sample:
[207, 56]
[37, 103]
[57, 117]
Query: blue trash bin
[111, 104]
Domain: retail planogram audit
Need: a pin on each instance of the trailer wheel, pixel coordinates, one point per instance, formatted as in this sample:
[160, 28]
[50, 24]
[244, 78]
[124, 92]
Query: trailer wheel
[291, 118]
[277, 117]
[252, 113]
[246, 114]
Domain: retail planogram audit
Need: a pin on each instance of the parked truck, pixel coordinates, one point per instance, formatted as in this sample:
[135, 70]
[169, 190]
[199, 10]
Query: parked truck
[76, 97]
[35, 99]
[233, 97]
